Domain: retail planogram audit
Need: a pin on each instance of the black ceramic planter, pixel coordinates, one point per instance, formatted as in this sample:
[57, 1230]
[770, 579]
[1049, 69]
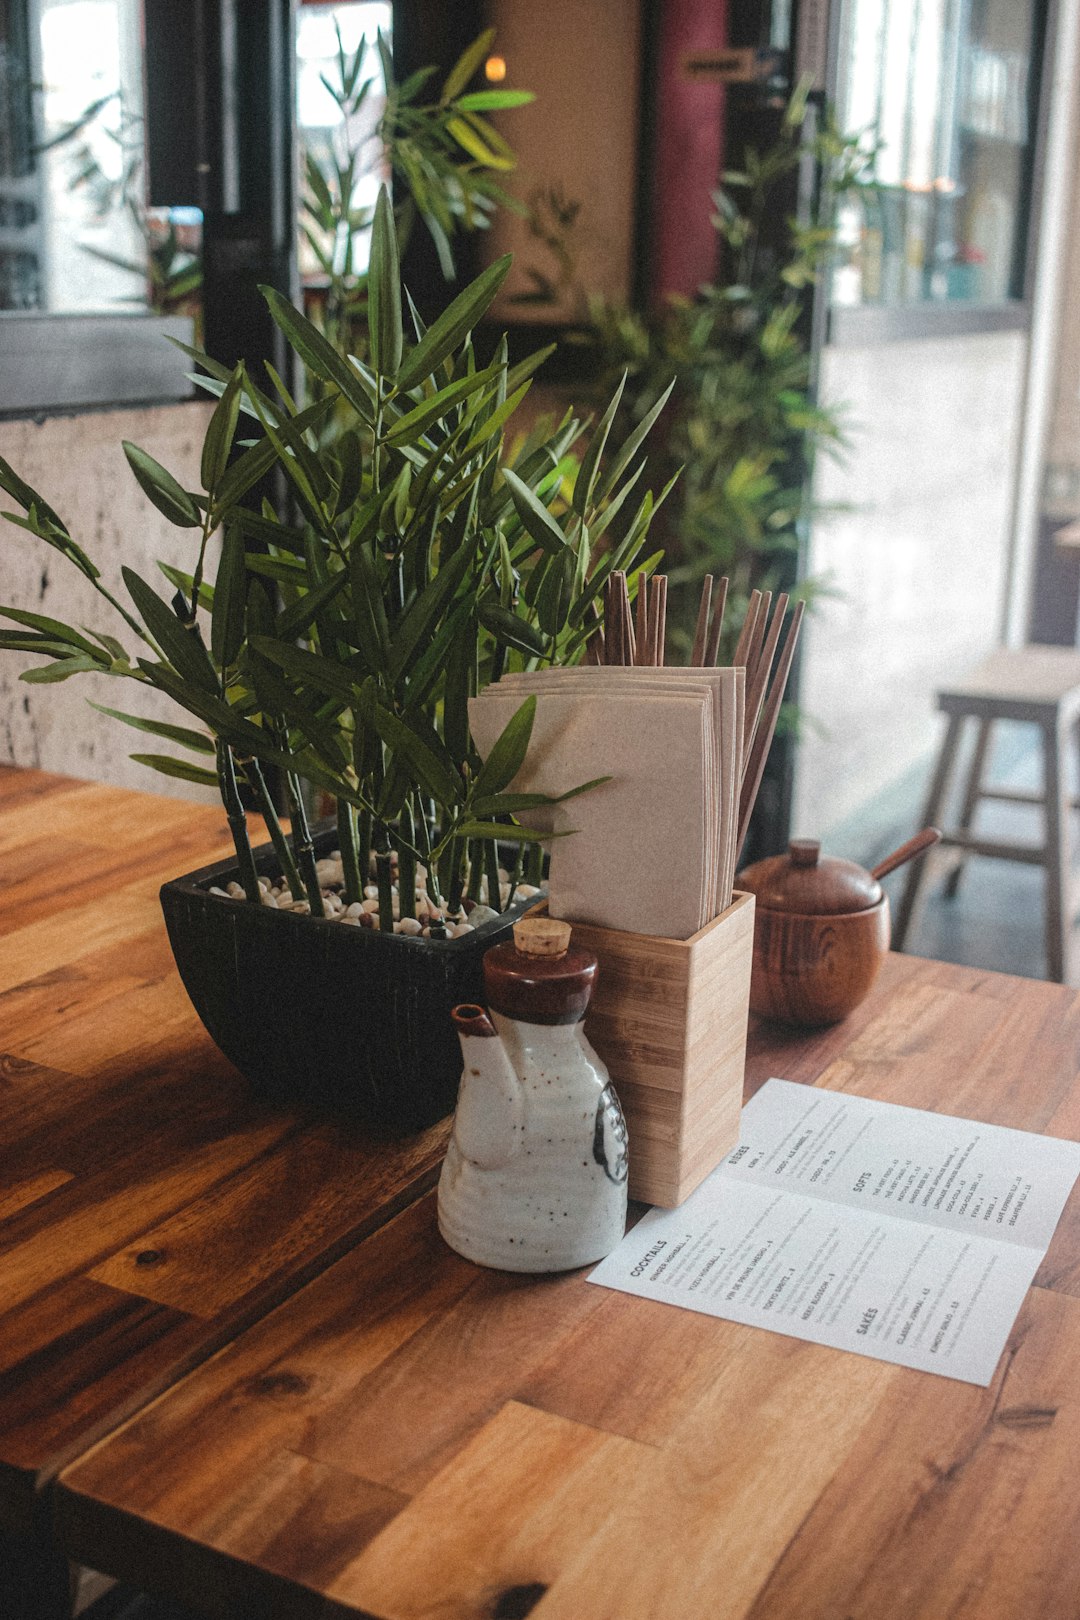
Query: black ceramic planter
[318, 1015]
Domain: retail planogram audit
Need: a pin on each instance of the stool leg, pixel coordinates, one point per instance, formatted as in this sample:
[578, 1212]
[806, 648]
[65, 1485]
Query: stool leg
[907, 913]
[972, 794]
[1058, 908]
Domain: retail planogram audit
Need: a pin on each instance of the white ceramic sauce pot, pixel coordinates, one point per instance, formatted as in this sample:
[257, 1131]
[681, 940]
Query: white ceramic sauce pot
[535, 1173]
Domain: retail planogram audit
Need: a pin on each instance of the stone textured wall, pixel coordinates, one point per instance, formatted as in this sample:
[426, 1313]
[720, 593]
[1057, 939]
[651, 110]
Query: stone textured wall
[79, 467]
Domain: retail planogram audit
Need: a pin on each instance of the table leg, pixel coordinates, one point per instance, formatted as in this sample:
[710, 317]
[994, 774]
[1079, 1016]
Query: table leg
[971, 798]
[36, 1581]
[907, 913]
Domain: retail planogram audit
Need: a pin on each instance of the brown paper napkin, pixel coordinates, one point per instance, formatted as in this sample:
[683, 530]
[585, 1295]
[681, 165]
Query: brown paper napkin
[636, 859]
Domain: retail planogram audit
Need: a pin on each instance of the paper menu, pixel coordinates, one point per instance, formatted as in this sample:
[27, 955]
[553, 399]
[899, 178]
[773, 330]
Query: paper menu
[907, 1236]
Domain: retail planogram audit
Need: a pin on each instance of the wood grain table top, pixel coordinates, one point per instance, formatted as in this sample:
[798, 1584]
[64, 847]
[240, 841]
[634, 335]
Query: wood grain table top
[410, 1436]
[149, 1206]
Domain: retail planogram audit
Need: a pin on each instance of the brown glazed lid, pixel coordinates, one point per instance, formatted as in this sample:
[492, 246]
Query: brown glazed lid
[540, 978]
[810, 884]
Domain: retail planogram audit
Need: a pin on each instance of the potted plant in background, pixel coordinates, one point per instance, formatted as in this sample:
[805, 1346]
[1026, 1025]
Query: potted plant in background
[340, 644]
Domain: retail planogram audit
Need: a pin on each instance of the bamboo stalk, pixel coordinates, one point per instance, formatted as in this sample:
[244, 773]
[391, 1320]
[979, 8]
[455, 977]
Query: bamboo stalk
[697, 656]
[476, 872]
[491, 871]
[350, 854]
[406, 883]
[234, 810]
[253, 772]
[534, 865]
[384, 878]
[304, 848]
[712, 650]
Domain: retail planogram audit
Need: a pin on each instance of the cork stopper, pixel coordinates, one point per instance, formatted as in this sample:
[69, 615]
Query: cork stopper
[542, 936]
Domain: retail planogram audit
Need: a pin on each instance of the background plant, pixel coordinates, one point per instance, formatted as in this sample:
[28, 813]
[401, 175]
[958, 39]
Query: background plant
[342, 648]
[445, 157]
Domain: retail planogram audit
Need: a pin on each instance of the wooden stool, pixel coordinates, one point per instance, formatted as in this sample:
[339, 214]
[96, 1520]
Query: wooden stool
[1038, 685]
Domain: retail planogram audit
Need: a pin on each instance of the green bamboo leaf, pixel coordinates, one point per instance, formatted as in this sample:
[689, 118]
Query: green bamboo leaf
[319, 356]
[507, 752]
[14, 486]
[384, 290]
[167, 766]
[466, 65]
[298, 619]
[195, 740]
[418, 744]
[27, 641]
[220, 432]
[183, 649]
[230, 593]
[512, 630]
[369, 610]
[494, 100]
[494, 423]
[590, 463]
[445, 333]
[555, 593]
[525, 368]
[502, 832]
[469, 138]
[413, 424]
[419, 622]
[54, 629]
[534, 515]
[256, 462]
[160, 487]
[634, 442]
[509, 804]
[77, 664]
[186, 582]
[327, 674]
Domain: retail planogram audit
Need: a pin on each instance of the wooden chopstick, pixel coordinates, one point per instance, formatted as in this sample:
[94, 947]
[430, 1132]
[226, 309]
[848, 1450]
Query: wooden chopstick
[712, 650]
[757, 684]
[747, 631]
[767, 726]
[641, 650]
[697, 656]
[657, 617]
[757, 639]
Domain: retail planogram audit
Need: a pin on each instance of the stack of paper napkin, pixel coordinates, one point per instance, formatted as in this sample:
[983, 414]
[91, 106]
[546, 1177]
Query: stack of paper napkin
[653, 849]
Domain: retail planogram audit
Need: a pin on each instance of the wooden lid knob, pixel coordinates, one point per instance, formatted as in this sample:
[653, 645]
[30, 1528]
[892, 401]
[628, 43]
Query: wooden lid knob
[804, 851]
[542, 936]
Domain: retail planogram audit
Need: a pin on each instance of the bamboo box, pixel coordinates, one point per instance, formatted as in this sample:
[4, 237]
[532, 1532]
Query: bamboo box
[669, 1018]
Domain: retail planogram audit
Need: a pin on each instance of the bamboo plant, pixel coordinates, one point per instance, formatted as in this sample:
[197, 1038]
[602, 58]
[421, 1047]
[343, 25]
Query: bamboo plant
[340, 643]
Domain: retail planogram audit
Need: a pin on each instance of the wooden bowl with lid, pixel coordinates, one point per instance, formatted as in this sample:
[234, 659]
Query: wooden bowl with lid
[821, 931]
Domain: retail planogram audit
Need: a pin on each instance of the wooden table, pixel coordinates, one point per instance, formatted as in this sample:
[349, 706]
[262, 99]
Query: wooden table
[149, 1208]
[411, 1436]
